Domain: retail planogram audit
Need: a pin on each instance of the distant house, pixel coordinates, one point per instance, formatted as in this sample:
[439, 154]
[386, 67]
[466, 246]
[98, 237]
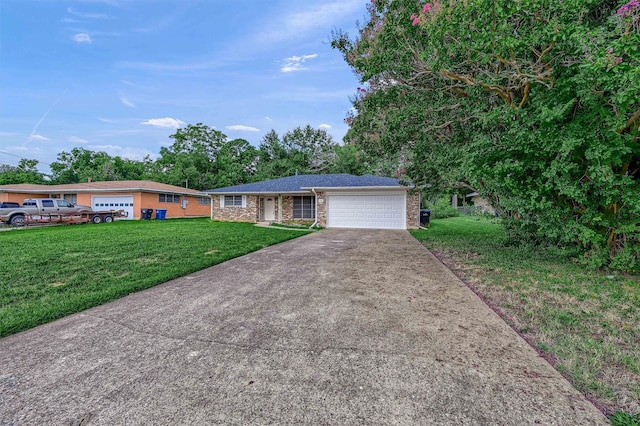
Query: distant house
[330, 200]
[129, 195]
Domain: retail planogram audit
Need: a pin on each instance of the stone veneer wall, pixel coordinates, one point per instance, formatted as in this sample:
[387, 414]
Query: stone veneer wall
[322, 209]
[287, 210]
[236, 214]
[413, 210]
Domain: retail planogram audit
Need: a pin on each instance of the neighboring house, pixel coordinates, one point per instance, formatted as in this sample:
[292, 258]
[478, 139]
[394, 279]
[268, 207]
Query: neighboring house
[129, 195]
[480, 203]
[331, 201]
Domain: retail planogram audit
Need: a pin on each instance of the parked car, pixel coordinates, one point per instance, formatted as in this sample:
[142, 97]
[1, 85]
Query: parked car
[48, 210]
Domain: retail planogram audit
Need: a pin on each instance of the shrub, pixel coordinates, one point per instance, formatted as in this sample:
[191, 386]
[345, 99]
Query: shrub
[442, 209]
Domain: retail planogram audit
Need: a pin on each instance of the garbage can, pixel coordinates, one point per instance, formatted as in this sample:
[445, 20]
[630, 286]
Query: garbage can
[146, 214]
[425, 216]
[161, 214]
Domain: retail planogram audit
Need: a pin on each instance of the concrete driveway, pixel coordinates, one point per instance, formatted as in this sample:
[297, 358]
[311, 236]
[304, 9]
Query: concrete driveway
[337, 327]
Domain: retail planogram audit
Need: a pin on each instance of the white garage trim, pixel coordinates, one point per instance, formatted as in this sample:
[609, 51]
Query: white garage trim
[117, 202]
[373, 210]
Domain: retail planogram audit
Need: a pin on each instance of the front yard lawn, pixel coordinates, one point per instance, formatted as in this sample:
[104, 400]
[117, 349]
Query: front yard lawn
[51, 272]
[587, 323]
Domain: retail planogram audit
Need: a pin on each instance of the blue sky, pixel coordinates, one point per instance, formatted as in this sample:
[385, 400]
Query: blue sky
[121, 75]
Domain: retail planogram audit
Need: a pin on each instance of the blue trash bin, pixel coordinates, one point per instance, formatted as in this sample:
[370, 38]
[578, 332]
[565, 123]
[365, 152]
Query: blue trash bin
[161, 214]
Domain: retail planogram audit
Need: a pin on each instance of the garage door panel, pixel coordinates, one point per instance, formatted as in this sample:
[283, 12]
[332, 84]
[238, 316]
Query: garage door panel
[366, 211]
[122, 202]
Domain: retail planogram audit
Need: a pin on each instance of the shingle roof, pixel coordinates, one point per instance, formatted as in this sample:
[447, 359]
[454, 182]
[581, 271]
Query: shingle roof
[106, 186]
[302, 183]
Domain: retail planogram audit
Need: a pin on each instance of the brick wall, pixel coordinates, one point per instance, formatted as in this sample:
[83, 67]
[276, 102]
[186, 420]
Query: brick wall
[287, 208]
[322, 209]
[236, 214]
[413, 210]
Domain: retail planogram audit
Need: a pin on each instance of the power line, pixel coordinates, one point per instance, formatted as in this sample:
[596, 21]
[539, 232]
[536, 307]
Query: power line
[23, 158]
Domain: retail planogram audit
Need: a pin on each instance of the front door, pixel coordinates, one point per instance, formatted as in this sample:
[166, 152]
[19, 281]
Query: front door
[269, 209]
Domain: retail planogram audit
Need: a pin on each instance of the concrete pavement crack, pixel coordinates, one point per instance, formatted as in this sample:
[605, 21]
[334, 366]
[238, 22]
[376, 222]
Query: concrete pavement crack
[317, 352]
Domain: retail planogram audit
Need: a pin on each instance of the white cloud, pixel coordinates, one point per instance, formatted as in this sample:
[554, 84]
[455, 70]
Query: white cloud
[38, 138]
[106, 120]
[324, 126]
[127, 102]
[106, 147]
[305, 17]
[87, 15]
[268, 118]
[294, 63]
[82, 38]
[168, 123]
[75, 139]
[242, 128]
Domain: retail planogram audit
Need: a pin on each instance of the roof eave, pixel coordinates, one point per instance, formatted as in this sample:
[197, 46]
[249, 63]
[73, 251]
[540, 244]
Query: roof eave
[346, 188]
[83, 190]
[257, 192]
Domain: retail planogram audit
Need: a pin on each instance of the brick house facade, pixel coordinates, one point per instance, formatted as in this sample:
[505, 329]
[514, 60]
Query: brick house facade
[329, 200]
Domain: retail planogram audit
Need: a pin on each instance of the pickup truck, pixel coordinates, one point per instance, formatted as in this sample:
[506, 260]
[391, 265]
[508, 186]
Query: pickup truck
[47, 210]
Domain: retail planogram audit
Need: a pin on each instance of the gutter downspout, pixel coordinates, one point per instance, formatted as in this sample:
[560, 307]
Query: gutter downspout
[316, 198]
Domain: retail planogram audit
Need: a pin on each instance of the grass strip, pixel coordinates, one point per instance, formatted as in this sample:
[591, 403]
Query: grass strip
[587, 323]
[51, 272]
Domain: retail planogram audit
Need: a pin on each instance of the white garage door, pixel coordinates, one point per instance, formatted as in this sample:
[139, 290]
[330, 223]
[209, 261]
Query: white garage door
[367, 211]
[121, 202]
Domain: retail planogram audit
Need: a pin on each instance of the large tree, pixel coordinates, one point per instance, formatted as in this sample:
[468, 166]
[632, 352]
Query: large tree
[191, 159]
[533, 103]
[81, 165]
[236, 163]
[25, 172]
[302, 150]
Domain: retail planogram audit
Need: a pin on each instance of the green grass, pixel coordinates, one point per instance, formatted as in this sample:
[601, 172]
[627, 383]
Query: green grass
[586, 322]
[51, 272]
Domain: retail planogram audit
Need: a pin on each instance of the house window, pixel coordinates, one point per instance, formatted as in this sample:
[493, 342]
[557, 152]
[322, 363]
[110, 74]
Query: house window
[234, 201]
[204, 200]
[72, 198]
[304, 207]
[169, 198]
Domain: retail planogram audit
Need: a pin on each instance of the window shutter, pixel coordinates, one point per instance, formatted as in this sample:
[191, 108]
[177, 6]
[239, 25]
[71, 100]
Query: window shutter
[244, 201]
[221, 201]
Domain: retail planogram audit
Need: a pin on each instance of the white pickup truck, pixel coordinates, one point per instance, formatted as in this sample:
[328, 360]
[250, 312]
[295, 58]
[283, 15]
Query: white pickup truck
[49, 210]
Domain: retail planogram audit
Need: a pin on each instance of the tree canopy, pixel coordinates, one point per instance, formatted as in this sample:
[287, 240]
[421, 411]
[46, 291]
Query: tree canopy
[532, 103]
[81, 164]
[201, 157]
[25, 172]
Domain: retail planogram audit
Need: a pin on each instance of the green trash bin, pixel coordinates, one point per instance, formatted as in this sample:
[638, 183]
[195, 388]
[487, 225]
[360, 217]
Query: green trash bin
[161, 214]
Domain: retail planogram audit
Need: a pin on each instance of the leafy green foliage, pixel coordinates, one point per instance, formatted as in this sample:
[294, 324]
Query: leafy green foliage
[190, 160]
[48, 273]
[302, 150]
[443, 209]
[533, 104]
[81, 165]
[25, 172]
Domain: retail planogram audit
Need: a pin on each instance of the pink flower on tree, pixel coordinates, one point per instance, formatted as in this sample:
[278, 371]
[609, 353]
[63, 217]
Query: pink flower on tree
[627, 9]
